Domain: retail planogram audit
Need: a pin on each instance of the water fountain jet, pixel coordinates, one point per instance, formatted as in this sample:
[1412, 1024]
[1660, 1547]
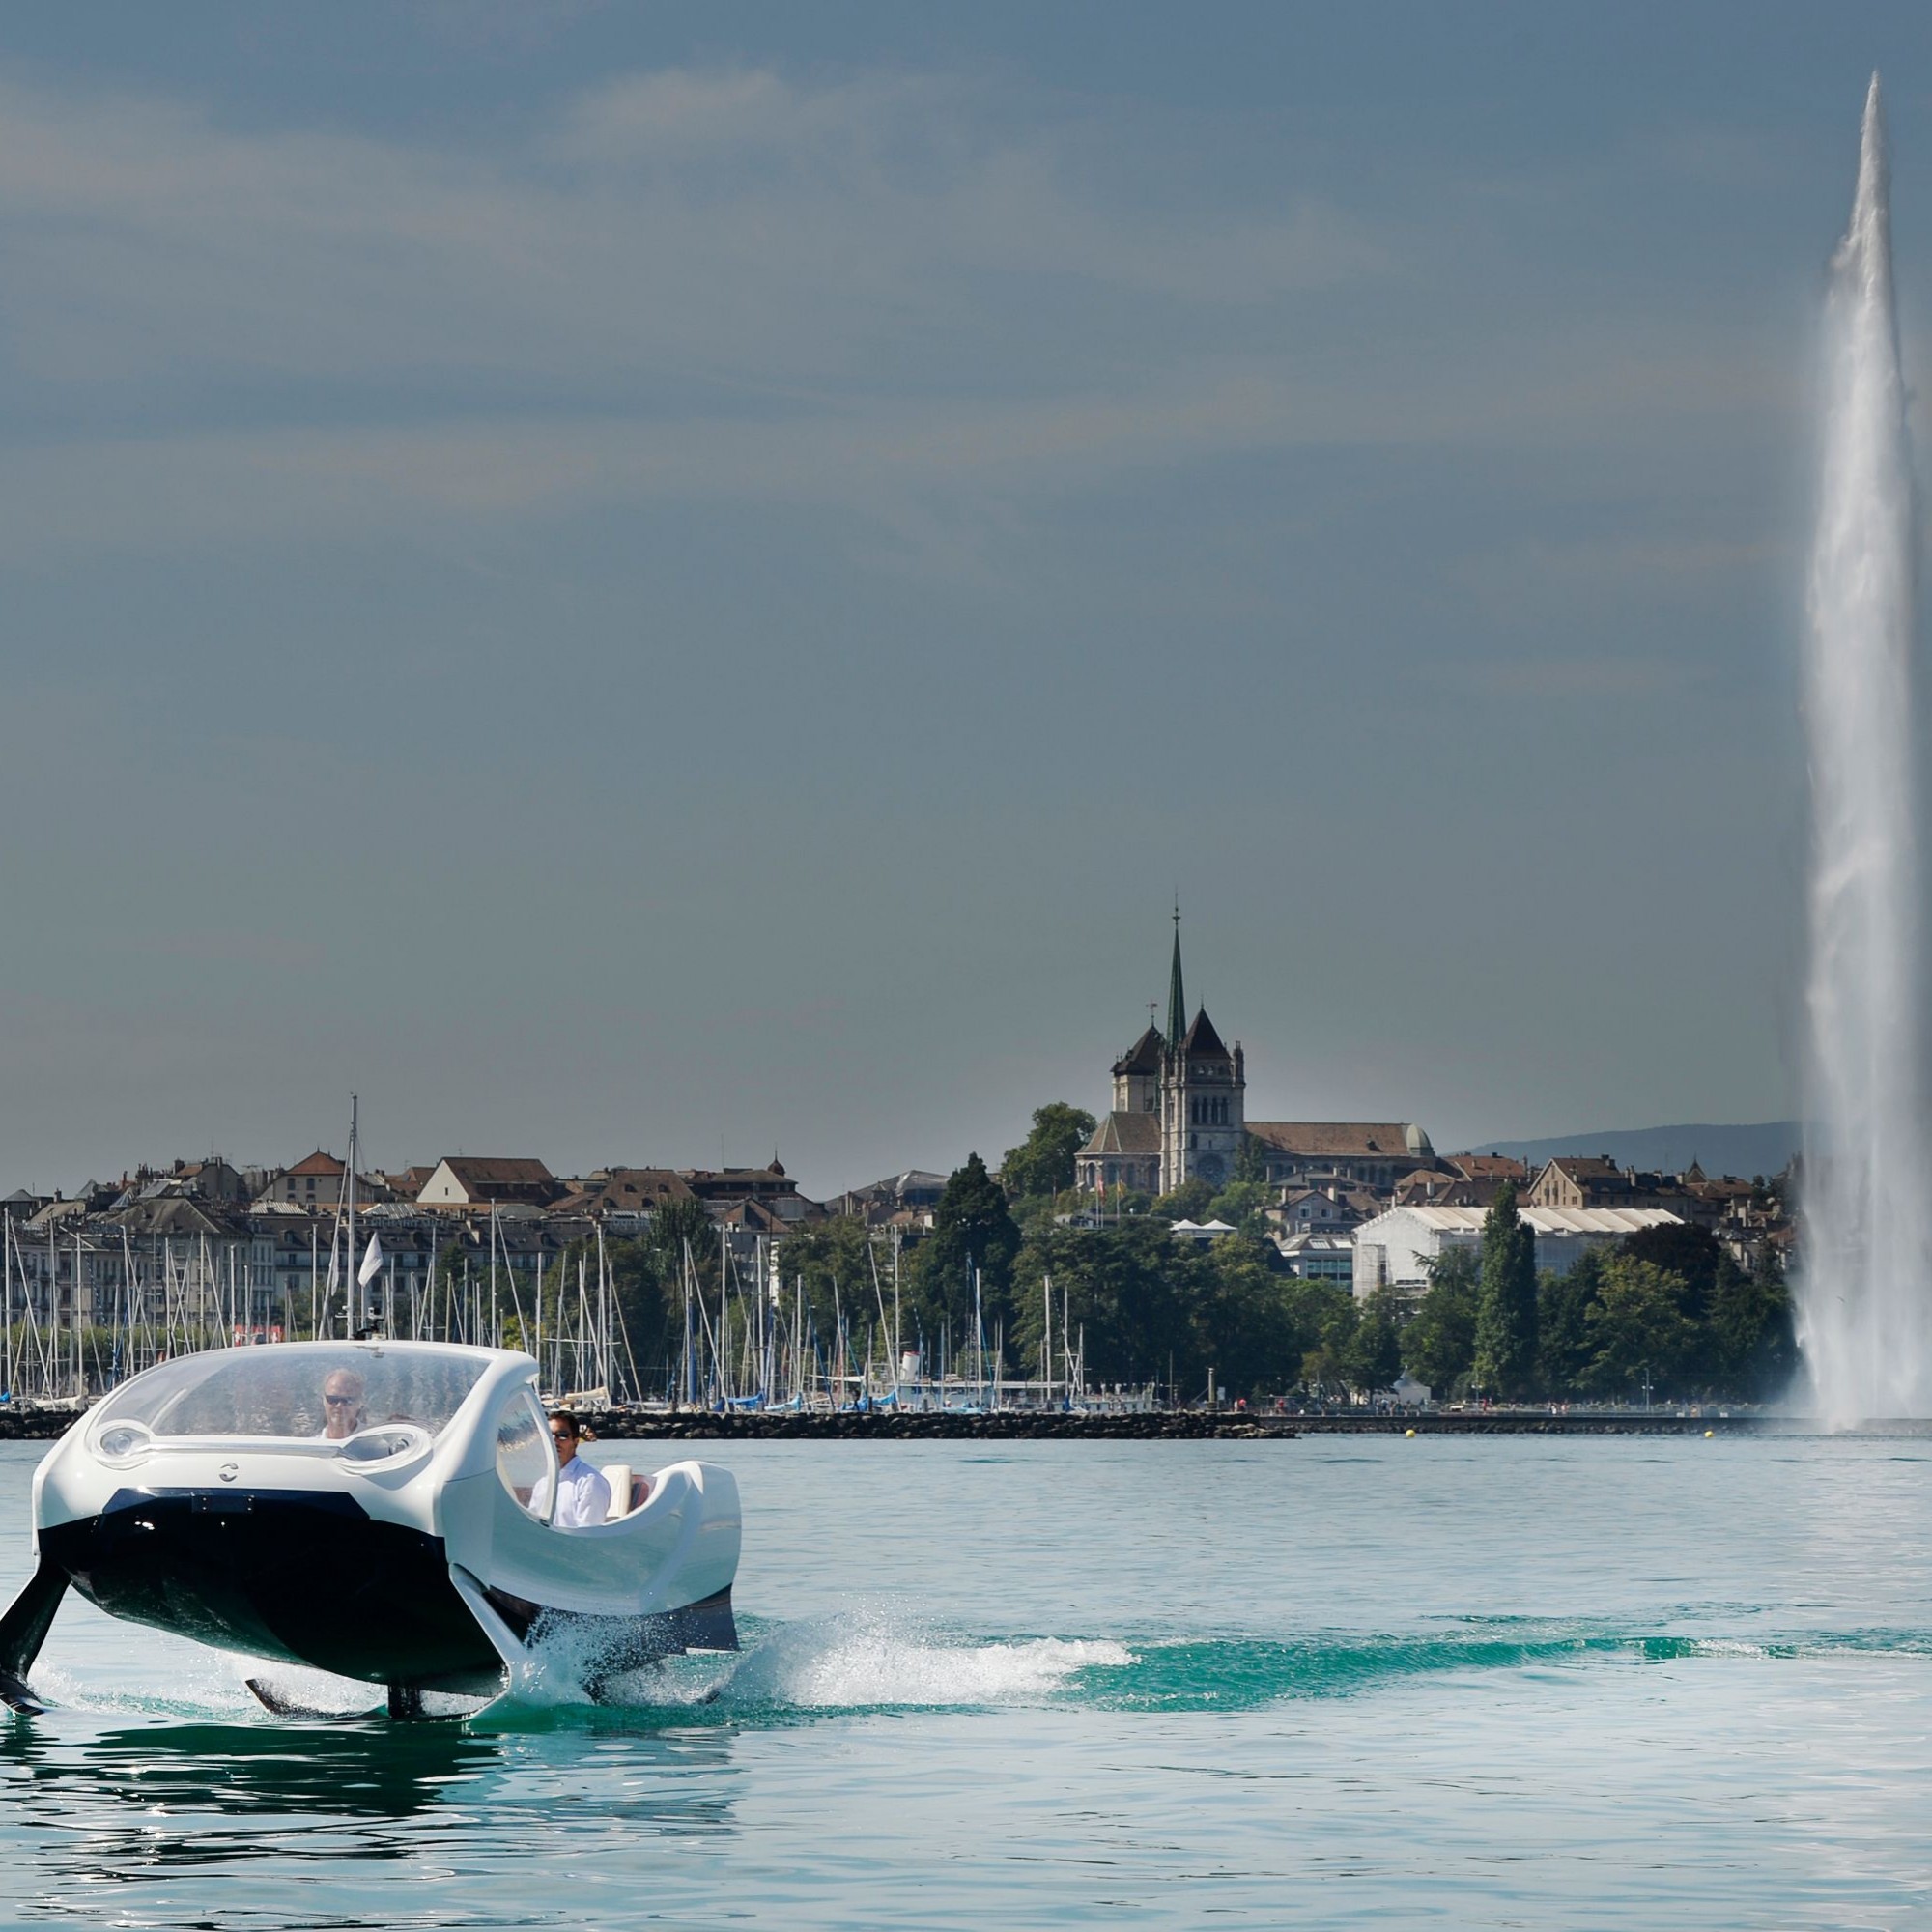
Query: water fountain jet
[1863, 1297]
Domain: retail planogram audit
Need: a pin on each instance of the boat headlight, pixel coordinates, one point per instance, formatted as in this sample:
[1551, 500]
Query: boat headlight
[122, 1442]
[387, 1442]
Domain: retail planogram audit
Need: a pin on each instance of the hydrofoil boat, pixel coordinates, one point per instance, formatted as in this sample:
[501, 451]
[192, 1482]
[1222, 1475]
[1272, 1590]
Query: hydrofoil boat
[377, 1509]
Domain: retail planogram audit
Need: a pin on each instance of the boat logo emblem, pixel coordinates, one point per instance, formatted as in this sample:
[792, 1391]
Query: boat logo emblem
[228, 1471]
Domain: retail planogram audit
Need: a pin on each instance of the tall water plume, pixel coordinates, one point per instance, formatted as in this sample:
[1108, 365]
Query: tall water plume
[1868, 1280]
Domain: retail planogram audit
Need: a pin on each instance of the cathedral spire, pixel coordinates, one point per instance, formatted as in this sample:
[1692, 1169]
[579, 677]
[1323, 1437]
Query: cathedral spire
[1176, 1001]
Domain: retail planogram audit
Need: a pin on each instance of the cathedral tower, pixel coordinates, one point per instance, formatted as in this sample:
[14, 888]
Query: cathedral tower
[1179, 1105]
[1203, 1093]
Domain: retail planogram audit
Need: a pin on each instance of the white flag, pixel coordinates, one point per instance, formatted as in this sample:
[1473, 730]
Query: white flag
[372, 1262]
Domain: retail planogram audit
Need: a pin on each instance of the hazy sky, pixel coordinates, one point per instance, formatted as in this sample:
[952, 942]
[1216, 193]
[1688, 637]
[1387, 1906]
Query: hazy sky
[650, 582]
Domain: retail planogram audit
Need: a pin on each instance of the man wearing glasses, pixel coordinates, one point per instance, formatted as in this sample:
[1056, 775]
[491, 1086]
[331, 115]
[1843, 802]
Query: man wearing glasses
[583, 1496]
[342, 1404]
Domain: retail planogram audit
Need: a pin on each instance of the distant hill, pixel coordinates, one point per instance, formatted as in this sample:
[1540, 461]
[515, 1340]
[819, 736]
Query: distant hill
[1744, 1151]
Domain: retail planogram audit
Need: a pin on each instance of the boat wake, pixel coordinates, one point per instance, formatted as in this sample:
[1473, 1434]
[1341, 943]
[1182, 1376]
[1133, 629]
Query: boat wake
[877, 1662]
[874, 1661]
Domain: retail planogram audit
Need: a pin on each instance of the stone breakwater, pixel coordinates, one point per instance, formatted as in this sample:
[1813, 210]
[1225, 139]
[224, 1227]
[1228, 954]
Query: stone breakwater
[941, 1426]
[34, 1425]
[1187, 1426]
[26, 1424]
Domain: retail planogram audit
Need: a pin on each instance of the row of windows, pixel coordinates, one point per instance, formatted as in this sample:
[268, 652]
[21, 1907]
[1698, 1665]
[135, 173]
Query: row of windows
[1209, 1113]
[1377, 1175]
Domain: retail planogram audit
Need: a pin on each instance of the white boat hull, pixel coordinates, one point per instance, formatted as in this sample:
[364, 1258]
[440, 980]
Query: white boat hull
[420, 1571]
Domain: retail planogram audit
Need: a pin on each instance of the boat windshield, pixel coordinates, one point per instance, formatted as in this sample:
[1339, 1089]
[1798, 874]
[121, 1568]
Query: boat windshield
[287, 1391]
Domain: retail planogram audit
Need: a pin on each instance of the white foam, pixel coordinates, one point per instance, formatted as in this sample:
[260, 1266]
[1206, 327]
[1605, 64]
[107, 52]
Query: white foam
[873, 1662]
[209, 1689]
[861, 1661]
[309, 1691]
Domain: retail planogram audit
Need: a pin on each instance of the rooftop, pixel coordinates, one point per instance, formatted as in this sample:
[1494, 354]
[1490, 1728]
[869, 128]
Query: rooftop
[1333, 1140]
[1546, 1220]
[1125, 1133]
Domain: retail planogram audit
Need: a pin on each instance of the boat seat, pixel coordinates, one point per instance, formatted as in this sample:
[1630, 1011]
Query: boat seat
[640, 1491]
[618, 1476]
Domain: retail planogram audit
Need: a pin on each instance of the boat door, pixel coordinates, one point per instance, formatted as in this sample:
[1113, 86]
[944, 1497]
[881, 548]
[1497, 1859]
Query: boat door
[526, 1455]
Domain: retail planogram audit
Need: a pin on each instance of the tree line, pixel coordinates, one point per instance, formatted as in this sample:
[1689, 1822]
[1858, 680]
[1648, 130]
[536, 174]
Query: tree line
[1666, 1308]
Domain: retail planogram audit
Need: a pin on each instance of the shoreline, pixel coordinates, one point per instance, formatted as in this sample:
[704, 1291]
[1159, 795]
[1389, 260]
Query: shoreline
[1180, 1427]
[1184, 1426]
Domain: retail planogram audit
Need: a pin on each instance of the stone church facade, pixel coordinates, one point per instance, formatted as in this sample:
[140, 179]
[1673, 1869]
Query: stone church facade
[1179, 1113]
[1180, 1106]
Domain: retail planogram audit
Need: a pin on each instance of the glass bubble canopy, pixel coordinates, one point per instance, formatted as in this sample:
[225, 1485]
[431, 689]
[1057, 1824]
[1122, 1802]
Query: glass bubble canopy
[279, 1391]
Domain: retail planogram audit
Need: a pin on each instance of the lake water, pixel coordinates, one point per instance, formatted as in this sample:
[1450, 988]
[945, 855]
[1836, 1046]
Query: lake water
[1494, 1681]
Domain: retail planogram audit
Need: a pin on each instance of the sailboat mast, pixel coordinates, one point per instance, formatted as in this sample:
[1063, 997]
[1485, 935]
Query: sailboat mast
[603, 1317]
[7, 1293]
[353, 1302]
[978, 1345]
[1046, 1349]
[724, 1324]
[689, 1376]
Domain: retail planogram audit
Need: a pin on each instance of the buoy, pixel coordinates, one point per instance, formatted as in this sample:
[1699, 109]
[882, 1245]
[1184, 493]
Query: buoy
[1408, 1432]
[1707, 1434]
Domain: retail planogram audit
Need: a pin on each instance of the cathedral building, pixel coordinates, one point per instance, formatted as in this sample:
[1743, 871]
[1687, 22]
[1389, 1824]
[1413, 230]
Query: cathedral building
[1179, 1113]
[1180, 1106]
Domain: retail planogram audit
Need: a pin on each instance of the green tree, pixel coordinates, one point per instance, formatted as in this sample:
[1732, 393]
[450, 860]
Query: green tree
[1330, 1321]
[1325, 1315]
[971, 1227]
[1127, 1286]
[1506, 1303]
[1240, 1203]
[1150, 1306]
[1750, 1328]
[1043, 1162]
[1566, 1346]
[1693, 1255]
[831, 1264]
[1189, 1201]
[1373, 1356]
[1438, 1345]
[1640, 1329]
[1252, 1323]
[639, 1280]
[676, 1225]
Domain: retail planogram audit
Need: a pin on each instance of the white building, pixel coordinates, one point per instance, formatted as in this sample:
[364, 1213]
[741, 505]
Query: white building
[1319, 1257]
[1394, 1250]
[468, 1180]
[1200, 1231]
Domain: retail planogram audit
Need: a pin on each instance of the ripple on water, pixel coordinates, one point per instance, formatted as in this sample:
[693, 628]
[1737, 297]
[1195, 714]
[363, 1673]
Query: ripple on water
[1541, 1684]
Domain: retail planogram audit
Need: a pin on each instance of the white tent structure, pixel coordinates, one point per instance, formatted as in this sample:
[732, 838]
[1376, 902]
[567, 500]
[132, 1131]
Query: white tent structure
[1394, 1250]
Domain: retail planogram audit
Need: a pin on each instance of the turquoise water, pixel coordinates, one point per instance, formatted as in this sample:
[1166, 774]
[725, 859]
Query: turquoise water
[1502, 1681]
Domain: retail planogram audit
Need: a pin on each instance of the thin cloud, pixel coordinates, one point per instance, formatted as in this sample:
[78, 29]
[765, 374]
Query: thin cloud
[883, 293]
[669, 225]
